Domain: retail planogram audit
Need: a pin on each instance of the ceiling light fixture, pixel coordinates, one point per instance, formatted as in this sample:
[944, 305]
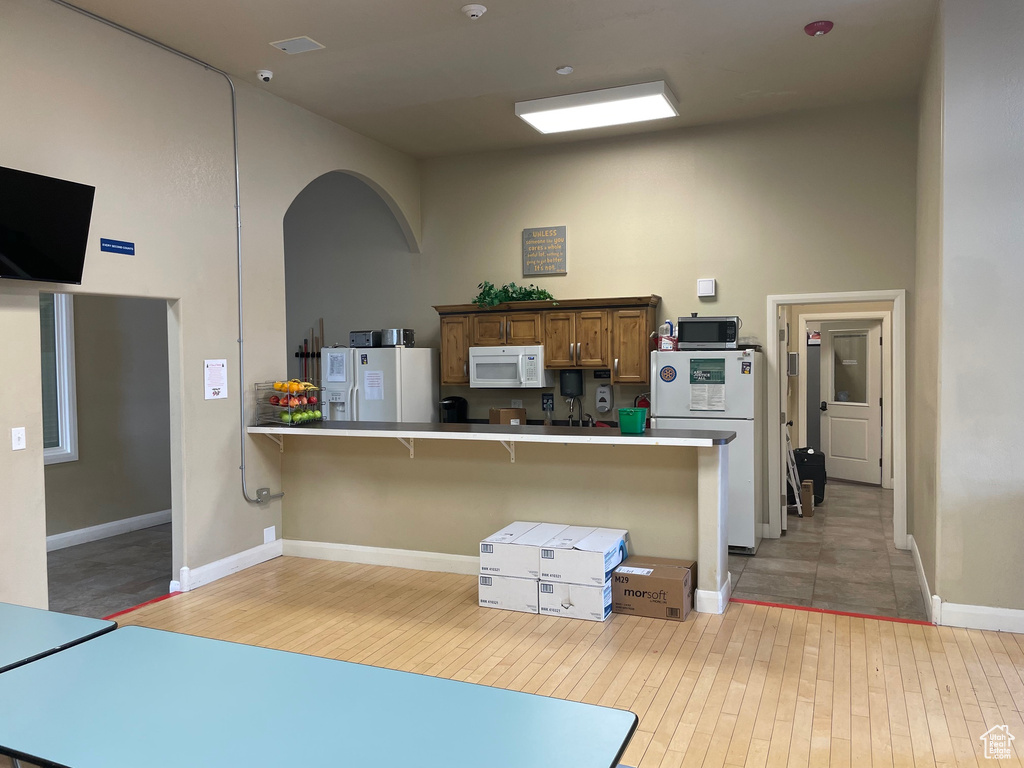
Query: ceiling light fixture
[594, 109]
[819, 28]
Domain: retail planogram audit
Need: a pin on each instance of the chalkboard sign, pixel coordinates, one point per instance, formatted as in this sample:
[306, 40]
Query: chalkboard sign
[544, 251]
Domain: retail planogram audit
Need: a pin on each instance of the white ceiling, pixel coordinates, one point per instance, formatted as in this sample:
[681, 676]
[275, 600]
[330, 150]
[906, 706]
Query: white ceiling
[421, 77]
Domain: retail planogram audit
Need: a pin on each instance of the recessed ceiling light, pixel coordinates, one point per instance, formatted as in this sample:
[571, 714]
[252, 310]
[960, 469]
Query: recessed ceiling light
[594, 109]
[819, 28]
[564, 70]
[298, 45]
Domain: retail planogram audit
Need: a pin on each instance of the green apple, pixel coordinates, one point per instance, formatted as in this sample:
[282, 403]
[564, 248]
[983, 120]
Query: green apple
[286, 417]
[317, 415]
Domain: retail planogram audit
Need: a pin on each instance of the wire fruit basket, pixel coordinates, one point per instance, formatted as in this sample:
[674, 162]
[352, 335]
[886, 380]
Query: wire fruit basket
[287, 403]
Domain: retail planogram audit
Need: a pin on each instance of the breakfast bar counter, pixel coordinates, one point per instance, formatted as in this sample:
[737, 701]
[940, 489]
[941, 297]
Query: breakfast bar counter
[351, 498]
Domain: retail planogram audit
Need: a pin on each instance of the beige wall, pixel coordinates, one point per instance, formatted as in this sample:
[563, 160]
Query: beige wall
[367, 491]
[923, 390]
[22, 514]
[808, 202]
[153, 134]
[980, 468]
[124, 462]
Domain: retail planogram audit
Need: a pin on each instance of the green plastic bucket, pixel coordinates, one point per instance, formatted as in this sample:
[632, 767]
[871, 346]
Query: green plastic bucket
[632, 420]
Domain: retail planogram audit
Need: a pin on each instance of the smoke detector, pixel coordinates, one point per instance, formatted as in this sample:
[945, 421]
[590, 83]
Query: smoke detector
[819, 28]
[474, 11]
[564, 70]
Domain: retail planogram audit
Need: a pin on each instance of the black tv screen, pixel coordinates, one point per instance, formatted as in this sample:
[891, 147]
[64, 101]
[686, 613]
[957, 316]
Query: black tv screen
[44, 227]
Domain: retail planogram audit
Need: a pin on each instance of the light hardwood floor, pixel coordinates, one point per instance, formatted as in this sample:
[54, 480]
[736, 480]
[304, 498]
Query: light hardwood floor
[757, 686]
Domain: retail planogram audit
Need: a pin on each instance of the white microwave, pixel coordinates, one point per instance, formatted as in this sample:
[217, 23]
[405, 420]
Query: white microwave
[508, 368]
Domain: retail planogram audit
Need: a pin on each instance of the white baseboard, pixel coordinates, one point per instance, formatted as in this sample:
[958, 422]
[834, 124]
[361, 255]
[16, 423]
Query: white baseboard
[963, 615]
[191, 578]
[106, 530]
[980, 617]
[399, 558]
[922, 580]
[710, 601]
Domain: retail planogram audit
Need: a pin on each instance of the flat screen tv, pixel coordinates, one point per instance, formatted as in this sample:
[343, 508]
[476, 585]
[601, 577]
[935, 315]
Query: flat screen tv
[44, 227]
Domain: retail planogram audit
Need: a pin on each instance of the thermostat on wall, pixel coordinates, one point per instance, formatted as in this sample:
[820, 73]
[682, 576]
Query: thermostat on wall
[706, 286]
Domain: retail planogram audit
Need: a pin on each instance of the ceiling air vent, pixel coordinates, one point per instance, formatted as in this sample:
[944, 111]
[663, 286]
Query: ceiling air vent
[298, 45]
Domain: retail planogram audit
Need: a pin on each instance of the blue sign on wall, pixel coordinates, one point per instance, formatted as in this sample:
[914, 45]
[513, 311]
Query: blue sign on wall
[117, 246]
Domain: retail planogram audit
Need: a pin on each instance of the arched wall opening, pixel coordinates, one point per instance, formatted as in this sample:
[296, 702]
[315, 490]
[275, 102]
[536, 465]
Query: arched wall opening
[347, 251]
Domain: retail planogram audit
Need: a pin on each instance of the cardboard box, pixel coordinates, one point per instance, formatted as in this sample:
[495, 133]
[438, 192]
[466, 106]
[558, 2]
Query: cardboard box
[515, 549]
[807, 498]
[511, 416]
[507, 593]
[581, 555]
[576, 601]
[659, 587]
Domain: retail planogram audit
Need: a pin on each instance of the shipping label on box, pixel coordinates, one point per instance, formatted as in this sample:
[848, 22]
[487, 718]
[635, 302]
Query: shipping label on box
[583, 556]
[515, 549]
[658, 587]
[576, 601]
[507, 593]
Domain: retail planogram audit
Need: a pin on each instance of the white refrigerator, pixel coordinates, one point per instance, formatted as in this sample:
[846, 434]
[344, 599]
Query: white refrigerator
[723, 390]
[390, 384]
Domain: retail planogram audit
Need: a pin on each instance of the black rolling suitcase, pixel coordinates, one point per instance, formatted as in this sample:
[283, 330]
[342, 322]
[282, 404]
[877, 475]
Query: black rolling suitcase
[810, 466]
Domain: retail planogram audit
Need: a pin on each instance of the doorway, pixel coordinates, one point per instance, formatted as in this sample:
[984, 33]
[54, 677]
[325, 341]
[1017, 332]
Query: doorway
[106, 389]
[779, 401]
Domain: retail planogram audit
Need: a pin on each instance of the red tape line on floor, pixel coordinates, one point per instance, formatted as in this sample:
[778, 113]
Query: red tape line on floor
[140, 605]
[834, 613]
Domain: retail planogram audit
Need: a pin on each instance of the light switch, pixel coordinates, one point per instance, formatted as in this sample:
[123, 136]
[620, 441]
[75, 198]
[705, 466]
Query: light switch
[18, 439]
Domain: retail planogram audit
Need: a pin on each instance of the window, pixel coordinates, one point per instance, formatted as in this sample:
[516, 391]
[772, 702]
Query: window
[57, 340]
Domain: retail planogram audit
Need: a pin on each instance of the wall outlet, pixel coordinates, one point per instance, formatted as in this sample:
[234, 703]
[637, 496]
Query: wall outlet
[17, 438]
[517, 403]
[269, 534]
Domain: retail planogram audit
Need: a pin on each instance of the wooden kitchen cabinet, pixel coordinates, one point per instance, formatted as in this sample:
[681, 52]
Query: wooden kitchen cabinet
[631, 356]
[577, 339]
[455, 349]
[576, 333]
[514, 329]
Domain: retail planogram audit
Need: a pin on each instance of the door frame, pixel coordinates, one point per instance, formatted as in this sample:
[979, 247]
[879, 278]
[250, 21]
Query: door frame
[826, 317]
[775, 410]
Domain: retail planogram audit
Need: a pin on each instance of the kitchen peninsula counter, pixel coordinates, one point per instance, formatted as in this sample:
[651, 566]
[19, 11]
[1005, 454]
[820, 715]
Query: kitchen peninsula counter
[528, 433]
[428, 502]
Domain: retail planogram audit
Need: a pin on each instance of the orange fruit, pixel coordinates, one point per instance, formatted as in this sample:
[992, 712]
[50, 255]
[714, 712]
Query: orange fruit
[294, 387]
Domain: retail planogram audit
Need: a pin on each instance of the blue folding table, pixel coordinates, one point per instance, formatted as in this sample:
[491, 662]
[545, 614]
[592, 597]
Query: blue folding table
[143, 698]
[27, 634]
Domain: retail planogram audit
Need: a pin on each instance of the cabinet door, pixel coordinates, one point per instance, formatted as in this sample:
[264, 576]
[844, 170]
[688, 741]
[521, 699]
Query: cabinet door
[630, 356]
[523, 328]
[593, 341]
[488, 330]
[559, 340]
[455, 349]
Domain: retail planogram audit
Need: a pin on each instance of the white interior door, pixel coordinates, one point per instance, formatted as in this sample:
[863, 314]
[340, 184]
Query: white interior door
[851, 409]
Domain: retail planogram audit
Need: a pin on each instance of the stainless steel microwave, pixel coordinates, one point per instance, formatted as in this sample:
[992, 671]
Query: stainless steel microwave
[708, 332]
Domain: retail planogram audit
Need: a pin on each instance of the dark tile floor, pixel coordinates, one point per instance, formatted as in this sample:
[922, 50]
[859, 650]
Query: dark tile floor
[841, 559]
[106, 576]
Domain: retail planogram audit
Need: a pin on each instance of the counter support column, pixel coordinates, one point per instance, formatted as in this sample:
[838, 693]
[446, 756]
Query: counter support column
[714, 586]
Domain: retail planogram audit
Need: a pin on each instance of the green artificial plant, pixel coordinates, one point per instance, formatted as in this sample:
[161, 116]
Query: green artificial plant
[490, 296]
